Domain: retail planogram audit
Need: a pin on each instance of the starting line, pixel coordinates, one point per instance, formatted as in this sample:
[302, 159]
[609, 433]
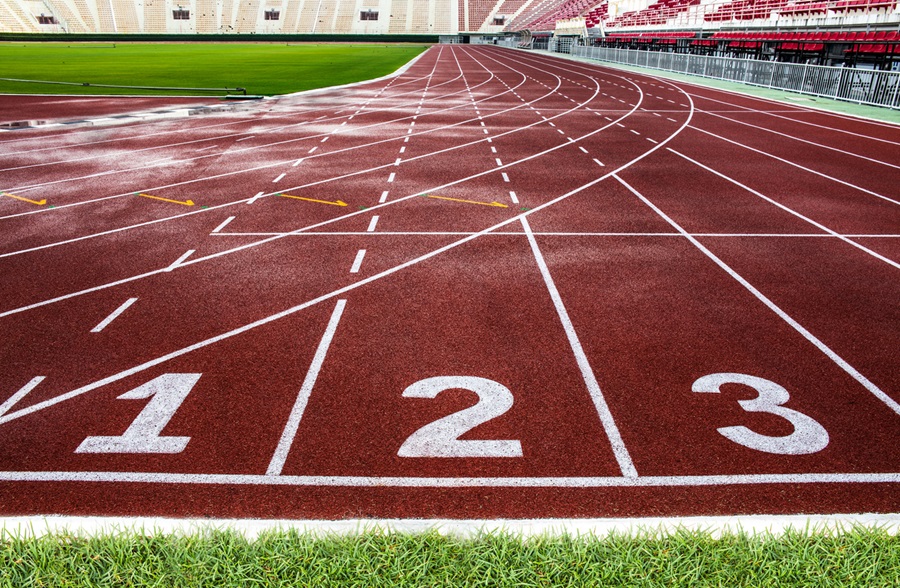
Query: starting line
[472, 482]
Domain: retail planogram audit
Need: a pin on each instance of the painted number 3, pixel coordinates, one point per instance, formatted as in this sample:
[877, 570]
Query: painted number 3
[808, 436]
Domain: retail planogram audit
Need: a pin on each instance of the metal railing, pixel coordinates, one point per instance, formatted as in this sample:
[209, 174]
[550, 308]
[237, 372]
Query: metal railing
[864, 86]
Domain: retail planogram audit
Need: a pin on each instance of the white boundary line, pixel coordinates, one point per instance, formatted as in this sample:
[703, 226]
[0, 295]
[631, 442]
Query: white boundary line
[717, 526]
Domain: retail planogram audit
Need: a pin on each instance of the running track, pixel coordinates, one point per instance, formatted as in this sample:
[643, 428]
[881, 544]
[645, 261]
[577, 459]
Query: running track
[499, 284]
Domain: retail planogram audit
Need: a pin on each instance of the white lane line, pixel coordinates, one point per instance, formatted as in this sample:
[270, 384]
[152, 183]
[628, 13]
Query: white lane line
[872, 388]
[603, 412]
[795, 138]
[798, 166]
[244, 139]
[113, 316]
[485, 131]
[397, 161]
[372, 224]
[635, 132]
[298, 162]
[383, 198]
[313, 150]
[513, 197]
[505, 177]
[224, 224]
[357, 262]
[402, 148]
[598, 162]
[12, 400]
[493, 149]
[392, 176]
[551, 124]
[278, 179]
[293, 422]
[206, 148]
[671, 119]
[178, 261]
[560, 131]
[652, 141]
[499, 163]
[583, 150]
[323, 139]
[255, 198]
[791, 211]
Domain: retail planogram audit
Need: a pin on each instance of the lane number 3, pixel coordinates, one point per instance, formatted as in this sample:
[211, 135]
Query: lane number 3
[808, 436]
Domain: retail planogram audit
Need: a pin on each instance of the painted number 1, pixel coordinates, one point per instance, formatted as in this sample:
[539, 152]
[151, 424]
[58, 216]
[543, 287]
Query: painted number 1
[808, 436]
[441, 437]
[166, 394]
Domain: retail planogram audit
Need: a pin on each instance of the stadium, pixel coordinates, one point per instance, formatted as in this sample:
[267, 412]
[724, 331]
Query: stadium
[489, 292]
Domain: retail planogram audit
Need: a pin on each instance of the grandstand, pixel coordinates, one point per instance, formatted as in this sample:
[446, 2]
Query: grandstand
[242, 17]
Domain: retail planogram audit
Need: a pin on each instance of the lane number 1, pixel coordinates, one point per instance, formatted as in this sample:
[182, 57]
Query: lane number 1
[166, 392]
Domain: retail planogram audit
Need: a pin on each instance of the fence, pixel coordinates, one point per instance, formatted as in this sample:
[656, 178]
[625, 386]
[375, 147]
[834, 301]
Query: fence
[876, 88]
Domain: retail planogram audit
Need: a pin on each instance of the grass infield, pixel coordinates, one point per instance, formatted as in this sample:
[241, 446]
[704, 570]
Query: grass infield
[265, 69]
[858, 557]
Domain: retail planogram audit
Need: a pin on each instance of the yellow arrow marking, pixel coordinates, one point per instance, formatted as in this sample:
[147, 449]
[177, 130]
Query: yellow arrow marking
[497, 204]
[335, 203]
[38, 202]
[186, 202]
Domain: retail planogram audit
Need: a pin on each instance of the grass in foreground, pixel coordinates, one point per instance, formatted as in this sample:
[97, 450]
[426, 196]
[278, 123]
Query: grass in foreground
[260, 68]
[861, 557]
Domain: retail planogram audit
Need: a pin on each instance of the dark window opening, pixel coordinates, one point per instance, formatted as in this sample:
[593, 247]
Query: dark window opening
[181, 14]
[499, 20]
[368, 15]
[272, 14]
[46, 19]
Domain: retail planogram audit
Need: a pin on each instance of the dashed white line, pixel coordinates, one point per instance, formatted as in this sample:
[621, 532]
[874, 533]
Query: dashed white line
[323, 139]
[513, 197]
[402, 149]
[383, 198]
[255, 198]
[178, 261]
[372, 224]
[499, 163]
[357, 262]
[582, 149]
[298, 162]
[313, 150]
[244, 139]
[278, 179]
[11, 401]
[397, 161]
[505, 177]
[224, 224]
[113, 316]
[598, 162]
[635, 132]
[493, 149]
[391, 177]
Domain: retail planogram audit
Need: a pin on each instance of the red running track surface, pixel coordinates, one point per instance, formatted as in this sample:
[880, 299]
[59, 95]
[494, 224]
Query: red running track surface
[499, 284]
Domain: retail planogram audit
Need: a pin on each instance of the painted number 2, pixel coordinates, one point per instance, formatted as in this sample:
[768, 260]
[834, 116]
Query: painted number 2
[808, 436]
[166, 394]
[441, 437]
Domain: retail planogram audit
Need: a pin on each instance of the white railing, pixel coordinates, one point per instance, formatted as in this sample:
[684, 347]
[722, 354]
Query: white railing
[864, 86]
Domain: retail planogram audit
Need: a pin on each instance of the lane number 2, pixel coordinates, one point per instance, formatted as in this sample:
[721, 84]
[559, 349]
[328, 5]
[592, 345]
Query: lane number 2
[166, 394]
[441, 437]
[808, 436]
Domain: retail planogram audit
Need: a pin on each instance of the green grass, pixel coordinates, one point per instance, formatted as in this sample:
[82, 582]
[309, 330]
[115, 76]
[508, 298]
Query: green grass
[260, 68]
[859, 557]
